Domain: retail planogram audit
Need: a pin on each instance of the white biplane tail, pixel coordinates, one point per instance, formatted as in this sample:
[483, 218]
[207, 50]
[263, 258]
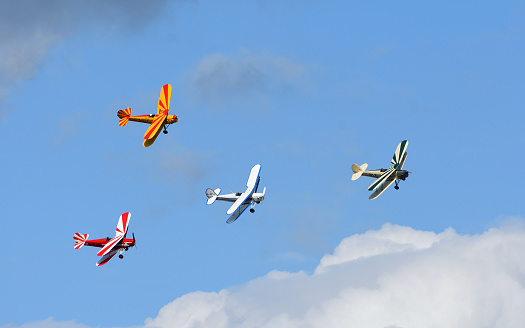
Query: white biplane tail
[358, 170]
[212, 195]
[80, 239]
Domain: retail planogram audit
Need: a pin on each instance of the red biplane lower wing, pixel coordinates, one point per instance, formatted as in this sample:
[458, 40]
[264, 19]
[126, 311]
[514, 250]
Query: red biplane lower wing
[107, 257]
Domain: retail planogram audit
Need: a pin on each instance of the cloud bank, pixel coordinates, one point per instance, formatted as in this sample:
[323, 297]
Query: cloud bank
[392, 277]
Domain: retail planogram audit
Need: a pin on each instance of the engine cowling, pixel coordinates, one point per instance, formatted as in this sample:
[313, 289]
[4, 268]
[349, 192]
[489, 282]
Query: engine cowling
[403, 174]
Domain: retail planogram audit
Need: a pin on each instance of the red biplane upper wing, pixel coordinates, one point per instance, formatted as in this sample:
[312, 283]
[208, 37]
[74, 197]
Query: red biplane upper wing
[123, 223]
[107, 257]
[120, 233]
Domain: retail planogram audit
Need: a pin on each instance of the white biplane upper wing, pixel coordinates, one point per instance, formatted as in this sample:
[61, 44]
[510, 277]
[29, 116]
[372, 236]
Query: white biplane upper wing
[122, 229]
[383, 187]
[251, 185]
[399, 155]
[400, 166]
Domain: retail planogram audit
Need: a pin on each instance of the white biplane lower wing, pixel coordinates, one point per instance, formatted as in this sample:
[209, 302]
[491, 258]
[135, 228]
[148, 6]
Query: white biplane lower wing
[253, 181]
[383, 187]
[382, 178]
[107, 257]
[237, 213]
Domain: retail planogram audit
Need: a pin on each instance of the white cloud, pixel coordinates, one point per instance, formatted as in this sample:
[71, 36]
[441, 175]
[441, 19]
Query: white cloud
[393, 277]
[243, 78]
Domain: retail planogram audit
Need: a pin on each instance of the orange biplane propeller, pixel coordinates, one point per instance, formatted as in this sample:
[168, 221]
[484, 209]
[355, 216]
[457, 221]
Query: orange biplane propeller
[157, 122]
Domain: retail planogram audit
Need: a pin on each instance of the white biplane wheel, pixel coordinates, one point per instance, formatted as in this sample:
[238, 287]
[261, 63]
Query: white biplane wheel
[252, 210]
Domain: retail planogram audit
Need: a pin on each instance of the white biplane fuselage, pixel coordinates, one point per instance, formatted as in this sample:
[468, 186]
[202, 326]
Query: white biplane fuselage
[400, 174]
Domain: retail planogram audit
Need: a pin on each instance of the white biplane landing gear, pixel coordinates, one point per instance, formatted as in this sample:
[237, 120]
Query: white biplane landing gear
[240, 201]
[384, 178]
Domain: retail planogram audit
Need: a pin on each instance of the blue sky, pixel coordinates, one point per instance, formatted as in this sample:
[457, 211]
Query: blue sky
[304, 88]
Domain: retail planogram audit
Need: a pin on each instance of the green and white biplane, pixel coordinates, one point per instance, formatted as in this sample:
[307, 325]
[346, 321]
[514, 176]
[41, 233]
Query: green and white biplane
[385, 177]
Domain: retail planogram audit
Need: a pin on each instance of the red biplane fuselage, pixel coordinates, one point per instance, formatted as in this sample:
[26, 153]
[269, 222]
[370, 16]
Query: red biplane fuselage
[124, 243]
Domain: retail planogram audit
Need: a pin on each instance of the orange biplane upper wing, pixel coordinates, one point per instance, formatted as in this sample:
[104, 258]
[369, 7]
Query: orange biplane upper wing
[164, 100]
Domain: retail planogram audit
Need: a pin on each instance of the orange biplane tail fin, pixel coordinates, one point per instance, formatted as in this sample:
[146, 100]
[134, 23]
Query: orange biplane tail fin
[80, 240]
[124, 115]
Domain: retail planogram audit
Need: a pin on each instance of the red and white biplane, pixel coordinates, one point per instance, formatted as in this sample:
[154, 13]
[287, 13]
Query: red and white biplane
[110, 246]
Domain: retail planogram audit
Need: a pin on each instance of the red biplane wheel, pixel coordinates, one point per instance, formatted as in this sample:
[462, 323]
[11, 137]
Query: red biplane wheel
[121, 256]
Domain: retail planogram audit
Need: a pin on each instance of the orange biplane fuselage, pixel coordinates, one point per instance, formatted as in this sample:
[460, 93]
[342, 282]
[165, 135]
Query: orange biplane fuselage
[157, 121]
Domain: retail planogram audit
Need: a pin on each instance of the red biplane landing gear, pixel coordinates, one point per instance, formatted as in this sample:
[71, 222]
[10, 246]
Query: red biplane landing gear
[121, 256]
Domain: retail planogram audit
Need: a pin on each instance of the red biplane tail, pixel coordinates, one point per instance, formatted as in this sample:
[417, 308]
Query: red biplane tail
[124, 115]
[80, 240]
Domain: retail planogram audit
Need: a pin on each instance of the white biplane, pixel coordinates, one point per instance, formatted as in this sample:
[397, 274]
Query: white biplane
[385, 177]
[240, 201]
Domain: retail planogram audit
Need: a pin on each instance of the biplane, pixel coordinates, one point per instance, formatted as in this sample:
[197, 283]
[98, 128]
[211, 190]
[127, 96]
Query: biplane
[385, 177]
[110, 246]
[158, 122]
[240, 201]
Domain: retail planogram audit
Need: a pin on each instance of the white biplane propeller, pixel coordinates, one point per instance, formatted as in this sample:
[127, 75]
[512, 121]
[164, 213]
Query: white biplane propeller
[240, 201]
[385, 177]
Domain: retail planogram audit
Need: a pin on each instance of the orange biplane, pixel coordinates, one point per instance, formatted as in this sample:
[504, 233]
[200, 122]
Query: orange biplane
[157, 122]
